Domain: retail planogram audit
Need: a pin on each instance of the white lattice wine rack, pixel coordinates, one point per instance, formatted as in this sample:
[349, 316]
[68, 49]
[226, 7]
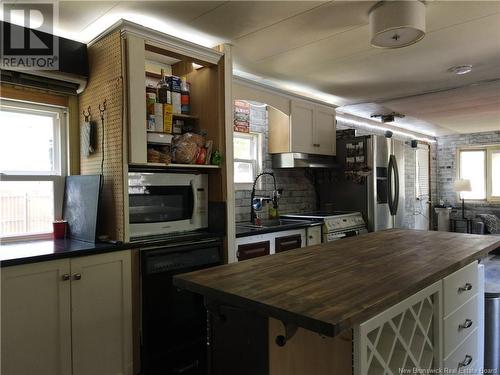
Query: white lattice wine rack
[406, 336]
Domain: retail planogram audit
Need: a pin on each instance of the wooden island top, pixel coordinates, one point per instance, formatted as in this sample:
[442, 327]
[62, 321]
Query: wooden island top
[330, 287]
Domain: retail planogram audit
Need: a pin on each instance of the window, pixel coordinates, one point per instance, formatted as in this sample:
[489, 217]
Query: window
[494, 177]
[32, 166]
[422, 172]
[481, 166]
[247, 157]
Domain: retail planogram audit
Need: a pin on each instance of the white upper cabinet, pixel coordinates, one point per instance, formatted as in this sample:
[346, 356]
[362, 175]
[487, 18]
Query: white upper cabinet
[310, 129]
[302, 124]
[324, 130]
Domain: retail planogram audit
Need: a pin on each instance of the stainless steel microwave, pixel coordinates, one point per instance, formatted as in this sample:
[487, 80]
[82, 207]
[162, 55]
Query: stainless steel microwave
[166, 202]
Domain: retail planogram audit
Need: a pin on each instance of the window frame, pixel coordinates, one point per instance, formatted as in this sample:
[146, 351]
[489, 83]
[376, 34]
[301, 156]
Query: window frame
[426, 149]
[488, 150]
[60, 157]
[489, 173]
[256, 163]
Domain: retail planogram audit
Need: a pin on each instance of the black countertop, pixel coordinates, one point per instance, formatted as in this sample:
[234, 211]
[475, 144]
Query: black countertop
[41, 250]
[243, 231]
[16, 253]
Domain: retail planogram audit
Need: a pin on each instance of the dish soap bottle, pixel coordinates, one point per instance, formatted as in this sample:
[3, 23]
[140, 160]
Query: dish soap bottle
[272, 212]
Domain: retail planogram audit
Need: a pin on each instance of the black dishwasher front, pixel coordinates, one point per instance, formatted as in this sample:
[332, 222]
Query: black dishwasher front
[174, 321]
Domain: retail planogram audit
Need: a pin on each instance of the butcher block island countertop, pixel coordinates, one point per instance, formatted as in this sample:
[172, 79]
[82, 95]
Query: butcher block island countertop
[331, 287]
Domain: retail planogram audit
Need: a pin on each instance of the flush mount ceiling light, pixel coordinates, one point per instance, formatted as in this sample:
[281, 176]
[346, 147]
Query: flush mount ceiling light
[461, 69]
[396, 24]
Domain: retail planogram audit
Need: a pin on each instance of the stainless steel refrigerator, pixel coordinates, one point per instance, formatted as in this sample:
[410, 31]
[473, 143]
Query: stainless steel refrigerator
[370, 179]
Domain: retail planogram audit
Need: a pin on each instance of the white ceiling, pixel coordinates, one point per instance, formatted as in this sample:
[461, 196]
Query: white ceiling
[322, 48]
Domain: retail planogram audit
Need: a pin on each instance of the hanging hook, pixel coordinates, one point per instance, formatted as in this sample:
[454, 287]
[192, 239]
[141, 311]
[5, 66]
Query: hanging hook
[86, 115]
[102, 109]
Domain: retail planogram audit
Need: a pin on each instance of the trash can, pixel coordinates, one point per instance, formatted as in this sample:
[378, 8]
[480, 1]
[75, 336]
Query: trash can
[492, 315]
[443, 218]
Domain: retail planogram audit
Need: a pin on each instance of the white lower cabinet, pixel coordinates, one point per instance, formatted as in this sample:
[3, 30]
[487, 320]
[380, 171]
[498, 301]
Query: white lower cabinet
[462, 323]
[36, 319]
[69, 316]
[437, 328]
[459, 325]
[464, 356]
[313, 235]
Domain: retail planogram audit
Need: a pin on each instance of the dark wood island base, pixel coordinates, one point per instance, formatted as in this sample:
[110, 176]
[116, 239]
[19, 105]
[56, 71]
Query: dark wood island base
[246, 343]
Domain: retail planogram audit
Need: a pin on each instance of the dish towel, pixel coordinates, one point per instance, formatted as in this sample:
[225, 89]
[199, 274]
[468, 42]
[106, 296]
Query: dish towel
[87, 138]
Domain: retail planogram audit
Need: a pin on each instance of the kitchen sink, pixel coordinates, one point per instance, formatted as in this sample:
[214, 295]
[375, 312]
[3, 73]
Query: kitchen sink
[270, 223]
[249, 225]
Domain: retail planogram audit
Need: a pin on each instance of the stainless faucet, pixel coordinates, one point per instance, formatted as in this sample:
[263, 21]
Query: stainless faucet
[275, 198]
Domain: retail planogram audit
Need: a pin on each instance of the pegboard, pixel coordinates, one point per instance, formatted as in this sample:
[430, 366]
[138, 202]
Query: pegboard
[106, 83]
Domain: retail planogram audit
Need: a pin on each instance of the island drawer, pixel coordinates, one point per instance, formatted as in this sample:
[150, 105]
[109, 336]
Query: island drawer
[459, 287]
[459, 325]
[464, 357]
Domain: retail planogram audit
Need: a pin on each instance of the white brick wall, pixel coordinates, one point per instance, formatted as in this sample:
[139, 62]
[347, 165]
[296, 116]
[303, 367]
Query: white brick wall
[443, 166]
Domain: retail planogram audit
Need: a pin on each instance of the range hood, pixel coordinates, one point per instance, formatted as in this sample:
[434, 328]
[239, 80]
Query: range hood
[300, 160]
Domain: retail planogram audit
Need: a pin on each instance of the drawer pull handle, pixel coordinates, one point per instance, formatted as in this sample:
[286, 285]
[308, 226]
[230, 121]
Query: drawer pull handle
[465, 288]
[466, 362]
[466, 324]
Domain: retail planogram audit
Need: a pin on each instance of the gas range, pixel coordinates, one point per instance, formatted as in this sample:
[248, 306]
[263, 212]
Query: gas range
[336, 224]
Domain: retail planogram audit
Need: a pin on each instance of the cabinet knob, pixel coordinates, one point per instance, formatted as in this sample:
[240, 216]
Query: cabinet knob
[77, 276]
[466, 362]
[465, 288]
[316, 144]
[310, 237]
[466, 324]
[65, 277]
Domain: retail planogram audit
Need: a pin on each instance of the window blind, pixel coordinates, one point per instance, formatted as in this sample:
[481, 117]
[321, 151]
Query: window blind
[422, 171]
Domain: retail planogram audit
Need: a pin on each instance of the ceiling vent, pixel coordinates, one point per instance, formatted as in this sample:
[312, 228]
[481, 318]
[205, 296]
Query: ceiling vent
[396, 24]
[388, 117]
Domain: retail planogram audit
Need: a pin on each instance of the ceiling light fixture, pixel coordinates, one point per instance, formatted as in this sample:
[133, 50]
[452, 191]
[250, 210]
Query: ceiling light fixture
[461, 69]
[396, 24]
[388, 117]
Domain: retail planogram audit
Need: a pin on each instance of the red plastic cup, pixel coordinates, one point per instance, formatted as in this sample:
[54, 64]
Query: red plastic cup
[59, 229]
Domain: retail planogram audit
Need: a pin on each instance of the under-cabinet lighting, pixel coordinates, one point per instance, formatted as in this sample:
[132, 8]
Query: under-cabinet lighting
[291, 87]
[358, 122]
[197, 66]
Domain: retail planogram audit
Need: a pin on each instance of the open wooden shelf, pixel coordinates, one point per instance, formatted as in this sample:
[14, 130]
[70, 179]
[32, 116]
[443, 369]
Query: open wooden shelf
[155, 132]
[178, 166]
[153, 75]
[183, 116]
